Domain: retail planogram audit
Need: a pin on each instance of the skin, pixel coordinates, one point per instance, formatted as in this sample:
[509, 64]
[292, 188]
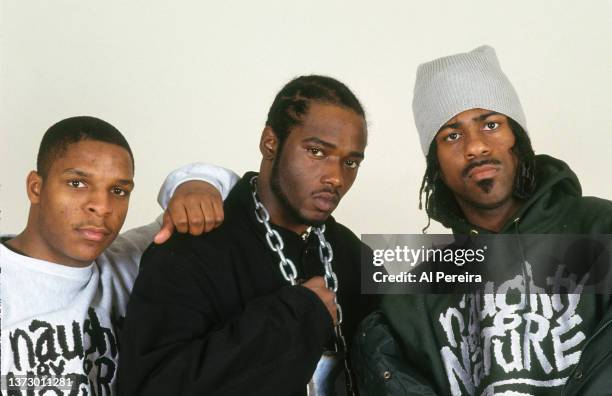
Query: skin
[196, 207]
[78, 208]
[315, 167]
[474, 150]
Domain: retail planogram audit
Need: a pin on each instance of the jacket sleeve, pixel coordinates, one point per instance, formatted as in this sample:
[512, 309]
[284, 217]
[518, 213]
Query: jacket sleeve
[221, 178]
[379, 365]
[127, 249]
[182, 337]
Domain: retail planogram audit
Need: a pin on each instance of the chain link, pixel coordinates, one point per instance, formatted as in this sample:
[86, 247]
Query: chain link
[287, 268]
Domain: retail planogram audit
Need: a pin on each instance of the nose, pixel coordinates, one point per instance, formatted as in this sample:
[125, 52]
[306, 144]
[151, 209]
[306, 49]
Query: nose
[333, 175]
[476, 145]
[99, 203]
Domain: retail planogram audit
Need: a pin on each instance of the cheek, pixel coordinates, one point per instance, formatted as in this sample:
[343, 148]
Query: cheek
[504, 140]
[448, 166]
[295, 169]
[58, 209]
[120, 213]
[349, 178]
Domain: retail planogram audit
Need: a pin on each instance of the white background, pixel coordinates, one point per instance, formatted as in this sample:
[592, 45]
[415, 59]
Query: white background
[193, 80]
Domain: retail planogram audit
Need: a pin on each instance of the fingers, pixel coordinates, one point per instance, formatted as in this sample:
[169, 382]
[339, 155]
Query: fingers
[315, 282]
[328, 297]
[178, 215]
[196, 217]
[196, 207]
[212, 217]
[219, 214]
[166, 230]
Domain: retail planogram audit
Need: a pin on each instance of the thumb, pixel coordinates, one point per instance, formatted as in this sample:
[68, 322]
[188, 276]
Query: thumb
[166, 230]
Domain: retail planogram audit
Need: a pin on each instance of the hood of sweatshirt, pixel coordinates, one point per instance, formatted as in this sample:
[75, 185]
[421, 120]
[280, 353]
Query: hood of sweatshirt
[557, 187]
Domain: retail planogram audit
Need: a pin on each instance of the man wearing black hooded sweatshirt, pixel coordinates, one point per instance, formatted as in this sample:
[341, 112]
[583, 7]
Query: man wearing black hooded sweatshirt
[483, 179]
[251, 308]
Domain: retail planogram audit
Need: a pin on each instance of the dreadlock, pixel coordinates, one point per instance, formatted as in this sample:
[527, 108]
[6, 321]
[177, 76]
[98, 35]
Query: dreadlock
[440, 203]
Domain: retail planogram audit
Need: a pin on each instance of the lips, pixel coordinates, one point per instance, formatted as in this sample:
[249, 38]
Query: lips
[94, 234]
[326, 201]
[482, 172]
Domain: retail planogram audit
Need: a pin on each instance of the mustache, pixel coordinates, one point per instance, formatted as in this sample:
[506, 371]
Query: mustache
[474, 164]
[86, 224]
[332, 191]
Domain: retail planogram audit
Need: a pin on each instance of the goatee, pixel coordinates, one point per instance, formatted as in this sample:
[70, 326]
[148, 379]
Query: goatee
[486, 185]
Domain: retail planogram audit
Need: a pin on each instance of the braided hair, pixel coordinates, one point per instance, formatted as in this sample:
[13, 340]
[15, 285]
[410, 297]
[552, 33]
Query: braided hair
[292, 102]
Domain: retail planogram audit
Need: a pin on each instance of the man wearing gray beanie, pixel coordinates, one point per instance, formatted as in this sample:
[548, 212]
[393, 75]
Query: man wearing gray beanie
[483, 178]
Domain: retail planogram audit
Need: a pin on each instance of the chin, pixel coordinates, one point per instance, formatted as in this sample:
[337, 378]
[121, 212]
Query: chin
[491, 202]
[316, 219]
[87, 255]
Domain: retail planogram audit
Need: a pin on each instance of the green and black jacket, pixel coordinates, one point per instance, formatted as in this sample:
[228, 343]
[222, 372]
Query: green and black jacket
[466, 344]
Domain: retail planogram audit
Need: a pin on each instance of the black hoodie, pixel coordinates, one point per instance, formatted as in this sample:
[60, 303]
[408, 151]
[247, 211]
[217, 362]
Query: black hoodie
[212, 314]
[488, 344]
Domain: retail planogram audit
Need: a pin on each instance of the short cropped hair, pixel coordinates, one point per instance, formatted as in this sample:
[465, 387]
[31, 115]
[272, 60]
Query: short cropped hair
[73, 130]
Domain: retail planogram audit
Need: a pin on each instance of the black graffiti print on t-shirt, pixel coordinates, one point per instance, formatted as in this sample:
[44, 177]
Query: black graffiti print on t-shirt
[43, 350]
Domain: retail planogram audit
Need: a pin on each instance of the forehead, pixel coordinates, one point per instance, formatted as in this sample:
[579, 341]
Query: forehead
[334, 124]
[95, 158]
[470, 115]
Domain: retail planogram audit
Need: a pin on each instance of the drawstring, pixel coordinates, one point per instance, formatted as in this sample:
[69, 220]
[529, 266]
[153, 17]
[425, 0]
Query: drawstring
[526, 274]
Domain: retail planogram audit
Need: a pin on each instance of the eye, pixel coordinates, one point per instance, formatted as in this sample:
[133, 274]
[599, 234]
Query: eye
[76, 184]
[351, 164]
[317, 152]
[489, 126]
[120, 192]
[453, 136]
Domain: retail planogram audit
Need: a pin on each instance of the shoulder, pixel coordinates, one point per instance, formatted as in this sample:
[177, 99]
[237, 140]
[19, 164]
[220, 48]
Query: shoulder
[187, 251]
[346, 243]
[183, 271]
[594, 214]
[597, 205]
[341, 234]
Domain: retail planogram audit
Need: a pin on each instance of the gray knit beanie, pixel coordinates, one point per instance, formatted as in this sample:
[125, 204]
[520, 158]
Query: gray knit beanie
[450, 85]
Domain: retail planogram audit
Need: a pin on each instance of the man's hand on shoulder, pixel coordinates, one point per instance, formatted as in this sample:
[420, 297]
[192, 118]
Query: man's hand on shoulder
[196, 207]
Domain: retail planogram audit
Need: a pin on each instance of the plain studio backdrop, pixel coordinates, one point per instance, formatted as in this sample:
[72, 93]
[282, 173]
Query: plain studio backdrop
[192, 81]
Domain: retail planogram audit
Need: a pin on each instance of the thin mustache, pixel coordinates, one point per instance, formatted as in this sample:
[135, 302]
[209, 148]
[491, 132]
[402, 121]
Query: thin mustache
[328, 190]
[473, 165]
[88, 225]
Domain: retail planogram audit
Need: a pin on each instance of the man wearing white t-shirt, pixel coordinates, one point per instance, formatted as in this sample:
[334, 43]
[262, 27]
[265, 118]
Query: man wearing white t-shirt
[66, 279]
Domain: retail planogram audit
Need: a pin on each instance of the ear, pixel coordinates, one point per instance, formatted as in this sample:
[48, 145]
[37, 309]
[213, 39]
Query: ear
[268, 144]
[34, 183]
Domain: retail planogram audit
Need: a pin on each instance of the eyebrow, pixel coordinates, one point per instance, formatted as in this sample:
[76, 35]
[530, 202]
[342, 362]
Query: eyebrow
[81, 173]
[329, 145]
[74, 171]
[481, 117]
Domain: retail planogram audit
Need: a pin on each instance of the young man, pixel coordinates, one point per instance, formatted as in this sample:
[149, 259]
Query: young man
[65, 283]
[250, 308]
[482, 178]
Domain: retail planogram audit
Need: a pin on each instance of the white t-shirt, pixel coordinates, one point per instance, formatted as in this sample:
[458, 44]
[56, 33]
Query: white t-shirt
[60, 324]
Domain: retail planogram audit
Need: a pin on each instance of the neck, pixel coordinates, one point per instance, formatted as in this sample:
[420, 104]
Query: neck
[492, 219]
[279, 214]
[29, 244]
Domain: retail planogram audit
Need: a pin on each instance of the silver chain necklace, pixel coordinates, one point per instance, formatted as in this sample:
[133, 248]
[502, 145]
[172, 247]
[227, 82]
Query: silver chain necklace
[289, 272]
